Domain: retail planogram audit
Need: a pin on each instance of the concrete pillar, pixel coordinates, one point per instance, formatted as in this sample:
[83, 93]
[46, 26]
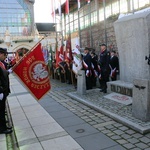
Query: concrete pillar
[141, 99]
[81, 83]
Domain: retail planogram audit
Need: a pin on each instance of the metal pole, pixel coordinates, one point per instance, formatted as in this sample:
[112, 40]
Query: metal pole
[104, 5]
[91, 43]
[79, 31]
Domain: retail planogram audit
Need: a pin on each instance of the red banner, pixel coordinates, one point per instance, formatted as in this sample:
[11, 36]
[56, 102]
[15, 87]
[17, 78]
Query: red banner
[67, 7]
[33, 72]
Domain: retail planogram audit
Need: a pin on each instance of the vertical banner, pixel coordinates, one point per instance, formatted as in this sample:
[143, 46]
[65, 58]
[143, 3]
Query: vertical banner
[33, 72]
[77, 60]
[67, 7]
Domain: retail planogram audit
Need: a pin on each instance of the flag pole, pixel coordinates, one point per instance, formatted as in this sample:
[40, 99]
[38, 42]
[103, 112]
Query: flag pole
[79, 33]
[27, 54]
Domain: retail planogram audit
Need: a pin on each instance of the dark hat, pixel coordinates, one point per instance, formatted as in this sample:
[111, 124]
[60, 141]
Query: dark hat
[102, 44]
[87, 48]
[3, 50]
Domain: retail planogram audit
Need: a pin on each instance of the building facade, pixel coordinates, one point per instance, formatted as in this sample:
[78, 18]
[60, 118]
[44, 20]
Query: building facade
[94, 21]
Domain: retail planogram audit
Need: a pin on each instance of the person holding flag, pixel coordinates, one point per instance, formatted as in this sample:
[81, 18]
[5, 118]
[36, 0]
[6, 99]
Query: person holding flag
[4, 92]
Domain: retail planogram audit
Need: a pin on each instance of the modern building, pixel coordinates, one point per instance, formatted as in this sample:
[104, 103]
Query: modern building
[93, 20]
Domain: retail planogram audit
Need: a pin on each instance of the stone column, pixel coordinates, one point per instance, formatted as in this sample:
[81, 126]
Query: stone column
[81, 83]
[141, 99]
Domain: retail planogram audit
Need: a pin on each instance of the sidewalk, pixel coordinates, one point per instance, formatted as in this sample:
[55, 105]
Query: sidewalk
[58, 122]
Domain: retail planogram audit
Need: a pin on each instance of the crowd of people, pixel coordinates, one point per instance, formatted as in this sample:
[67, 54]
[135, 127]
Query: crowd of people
[100, 68]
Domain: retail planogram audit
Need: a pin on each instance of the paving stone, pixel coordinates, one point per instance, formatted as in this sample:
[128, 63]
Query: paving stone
[123, 128]
[129, 146]
[136, 148]
[122, 141]
[117, 125]
[130, 132]
[147, 135]
[118, 132]
[125, 136]
[116, 137]
[137, 135]
[133, 140]
[106, 131]
[145, 140]
[109, 126]
[141, 145]
[110, 134]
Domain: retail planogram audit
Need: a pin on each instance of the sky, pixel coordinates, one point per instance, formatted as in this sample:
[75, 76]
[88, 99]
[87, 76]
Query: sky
[43, 10]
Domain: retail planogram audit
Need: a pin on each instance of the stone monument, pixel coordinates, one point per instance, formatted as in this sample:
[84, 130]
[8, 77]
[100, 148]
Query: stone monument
[133, 41]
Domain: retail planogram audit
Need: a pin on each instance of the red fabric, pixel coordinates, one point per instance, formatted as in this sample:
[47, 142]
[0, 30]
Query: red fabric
[33, 72]
[59, 56]
[68, 52]
[67, 7]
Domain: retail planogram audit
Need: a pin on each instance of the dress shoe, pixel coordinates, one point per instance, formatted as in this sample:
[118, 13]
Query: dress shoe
[103, 90]
[9, 127]
[7, 131]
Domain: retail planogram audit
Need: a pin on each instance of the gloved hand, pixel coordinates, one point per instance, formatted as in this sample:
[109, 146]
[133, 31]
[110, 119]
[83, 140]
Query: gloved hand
[1, 96]
[10, 70]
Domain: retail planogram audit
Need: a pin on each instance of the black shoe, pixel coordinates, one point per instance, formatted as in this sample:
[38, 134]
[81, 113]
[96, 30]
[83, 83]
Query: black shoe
[7, 131]
[9, 127]
[103, 90]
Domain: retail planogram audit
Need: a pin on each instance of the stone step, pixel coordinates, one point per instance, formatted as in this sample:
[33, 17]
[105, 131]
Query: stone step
[120, 87]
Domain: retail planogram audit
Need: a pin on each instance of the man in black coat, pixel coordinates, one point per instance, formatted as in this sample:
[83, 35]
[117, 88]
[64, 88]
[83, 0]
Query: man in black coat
[114, 66]
[4, 90]
[104, 65]
[87, 67]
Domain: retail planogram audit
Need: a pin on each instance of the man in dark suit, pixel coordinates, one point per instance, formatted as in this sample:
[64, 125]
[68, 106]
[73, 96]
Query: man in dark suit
[114, 66]
[104, 65]
[87, 67]
[4, 90]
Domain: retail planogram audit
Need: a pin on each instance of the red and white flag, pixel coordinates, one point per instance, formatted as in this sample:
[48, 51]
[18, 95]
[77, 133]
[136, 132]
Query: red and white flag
[33, 72]
[67, 7]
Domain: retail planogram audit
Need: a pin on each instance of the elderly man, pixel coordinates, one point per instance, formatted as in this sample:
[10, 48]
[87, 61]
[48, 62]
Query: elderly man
[4, 92]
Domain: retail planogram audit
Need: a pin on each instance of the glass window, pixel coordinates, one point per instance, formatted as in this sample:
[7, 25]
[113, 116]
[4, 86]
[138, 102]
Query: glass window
[123, 6]
[75, 25]
[86, 21]
[142, 3]
[108, 10]
[12, 13]
[115, 7]
[82, 23]
[75, 15]
[71, 27]
[101, 14]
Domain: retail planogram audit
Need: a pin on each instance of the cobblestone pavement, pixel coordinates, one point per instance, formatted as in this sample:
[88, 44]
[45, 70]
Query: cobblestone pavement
[118, 132]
